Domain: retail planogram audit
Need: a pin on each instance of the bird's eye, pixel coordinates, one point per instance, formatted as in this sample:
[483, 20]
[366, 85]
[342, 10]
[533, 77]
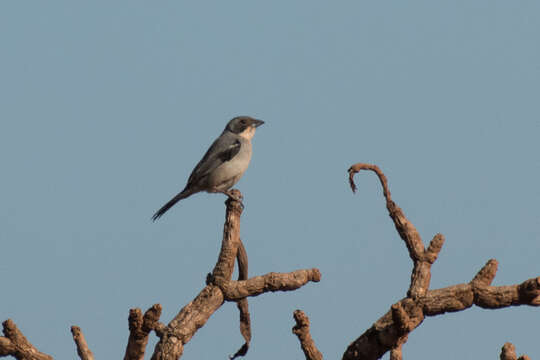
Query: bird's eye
[243, 121]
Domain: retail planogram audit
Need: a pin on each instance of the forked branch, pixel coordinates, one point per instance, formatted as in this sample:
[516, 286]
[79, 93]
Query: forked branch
[221, 288]
[15, 344]
[390, 332]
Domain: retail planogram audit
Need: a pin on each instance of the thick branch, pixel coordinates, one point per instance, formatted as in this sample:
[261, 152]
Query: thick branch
[301, 329]
[82, 347]
[231, 240]
[407, 314]
[184, 325]
[139, 328]
[15, 344]
[257, 285]
[195, 314]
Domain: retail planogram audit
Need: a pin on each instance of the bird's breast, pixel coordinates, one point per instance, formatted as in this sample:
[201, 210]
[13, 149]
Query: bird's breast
[228, 173]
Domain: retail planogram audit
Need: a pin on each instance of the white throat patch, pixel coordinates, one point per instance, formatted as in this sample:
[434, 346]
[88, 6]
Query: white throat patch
[248, 133]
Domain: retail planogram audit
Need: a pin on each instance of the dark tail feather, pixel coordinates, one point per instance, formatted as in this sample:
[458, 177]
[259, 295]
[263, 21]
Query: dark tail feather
[184, 194]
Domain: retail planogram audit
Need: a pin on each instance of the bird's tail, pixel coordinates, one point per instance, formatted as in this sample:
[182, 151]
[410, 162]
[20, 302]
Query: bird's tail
[182, 195]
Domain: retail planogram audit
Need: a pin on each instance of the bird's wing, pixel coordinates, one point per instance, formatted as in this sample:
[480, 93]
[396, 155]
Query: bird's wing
[222, 150]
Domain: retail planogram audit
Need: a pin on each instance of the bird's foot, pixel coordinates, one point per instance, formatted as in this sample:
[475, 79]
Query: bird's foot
[235, 195]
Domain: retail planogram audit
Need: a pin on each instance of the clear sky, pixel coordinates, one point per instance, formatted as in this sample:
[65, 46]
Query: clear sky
[106, 107]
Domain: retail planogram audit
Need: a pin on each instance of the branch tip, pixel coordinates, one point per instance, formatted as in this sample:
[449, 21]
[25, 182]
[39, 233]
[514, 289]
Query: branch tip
[485, 276]
[301, 330]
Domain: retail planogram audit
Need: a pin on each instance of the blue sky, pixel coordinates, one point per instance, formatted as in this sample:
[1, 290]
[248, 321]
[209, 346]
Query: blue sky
[107, 106]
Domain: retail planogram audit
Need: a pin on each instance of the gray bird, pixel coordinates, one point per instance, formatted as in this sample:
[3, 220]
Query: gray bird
[223, 164]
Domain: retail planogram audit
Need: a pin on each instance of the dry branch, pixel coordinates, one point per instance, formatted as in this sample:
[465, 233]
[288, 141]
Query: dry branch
[82, 347]
[221, 288]
[301, 329]
[242, 304]
[508, 352]
[234, 290]
[390, 332]
[139, 329]
[15, 344]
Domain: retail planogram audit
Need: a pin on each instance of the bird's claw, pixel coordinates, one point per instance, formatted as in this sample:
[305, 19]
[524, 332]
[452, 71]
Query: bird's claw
[235, 195]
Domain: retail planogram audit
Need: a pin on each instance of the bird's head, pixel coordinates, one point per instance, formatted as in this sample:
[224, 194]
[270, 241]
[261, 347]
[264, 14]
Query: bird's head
[243, 126]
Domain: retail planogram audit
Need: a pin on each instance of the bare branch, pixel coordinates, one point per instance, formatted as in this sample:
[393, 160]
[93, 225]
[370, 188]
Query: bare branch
[82, 347]
[231, 240]
[390, 332]
[495, 297]
[422, 258]
[139, 328]
[257, 285]
[15, 344]
[193, 316]
[301, 329]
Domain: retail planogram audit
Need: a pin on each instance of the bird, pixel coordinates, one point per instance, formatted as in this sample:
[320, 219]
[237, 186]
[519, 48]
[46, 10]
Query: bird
[222, 165]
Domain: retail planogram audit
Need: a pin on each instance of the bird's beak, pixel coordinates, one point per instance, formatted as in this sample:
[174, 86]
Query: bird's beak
[257, 123]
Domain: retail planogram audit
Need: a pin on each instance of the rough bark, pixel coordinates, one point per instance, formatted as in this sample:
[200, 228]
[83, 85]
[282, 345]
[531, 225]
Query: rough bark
[221, 288]
[140, 327]
[301, 329]
[17, 345]
[390, 332]
[508, 352]
[82, 347]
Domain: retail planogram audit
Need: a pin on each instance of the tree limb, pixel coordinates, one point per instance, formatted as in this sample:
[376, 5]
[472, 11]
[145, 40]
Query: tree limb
[390, 332]
[221, 288]
[139, 329]
[15, 344]
[82, 347]
[301, 329]
[234, 290]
